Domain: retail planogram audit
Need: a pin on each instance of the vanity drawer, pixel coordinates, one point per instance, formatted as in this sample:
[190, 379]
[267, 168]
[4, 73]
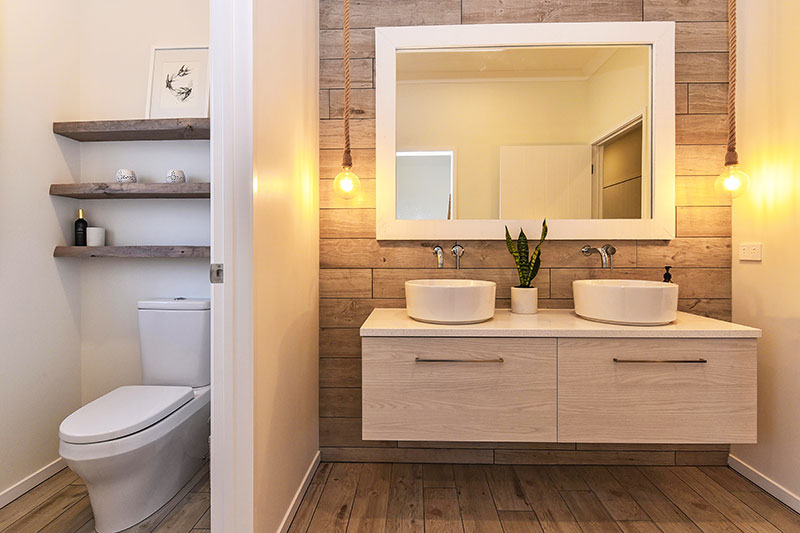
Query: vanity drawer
[459, 389]
[632, 390]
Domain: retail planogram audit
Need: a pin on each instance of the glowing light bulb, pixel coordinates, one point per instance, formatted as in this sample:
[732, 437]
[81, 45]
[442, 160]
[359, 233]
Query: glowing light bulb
[346, 184]
[733, 181]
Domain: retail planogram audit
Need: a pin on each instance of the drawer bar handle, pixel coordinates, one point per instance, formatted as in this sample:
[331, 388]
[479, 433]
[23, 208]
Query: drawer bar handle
[662, 361]
[420, 360]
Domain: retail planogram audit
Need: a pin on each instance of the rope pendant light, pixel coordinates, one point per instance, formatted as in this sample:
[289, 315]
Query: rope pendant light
[733, 179]
[346, 185]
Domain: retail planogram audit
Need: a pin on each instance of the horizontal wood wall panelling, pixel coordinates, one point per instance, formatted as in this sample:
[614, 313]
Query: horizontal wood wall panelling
[347, 313]
[494, 11]
[351, 283]
[701, 129]
[339, 402]
[359, 273]
[324, 104]
[703, 222]
[362, 134]
[406, 455]
[697, 191]
[362, 103]
[699, 160]
[339, 342]
[362, 44]
[330, 163]
[346, 432]
[701, 37]
[331, 75]
[369, 253]
[719, 308]
[373, 13]
[347, 223]
[700, 252]
[701, 67]
[708, 97]
[493, 254]
[340, 372]
[681, 98]
[389, 283]
[686, 10]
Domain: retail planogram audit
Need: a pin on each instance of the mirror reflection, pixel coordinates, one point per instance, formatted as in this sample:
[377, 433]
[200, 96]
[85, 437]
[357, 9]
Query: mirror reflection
[524, 133]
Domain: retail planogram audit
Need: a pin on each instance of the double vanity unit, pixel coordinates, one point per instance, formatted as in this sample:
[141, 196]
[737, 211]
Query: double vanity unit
[556, 377]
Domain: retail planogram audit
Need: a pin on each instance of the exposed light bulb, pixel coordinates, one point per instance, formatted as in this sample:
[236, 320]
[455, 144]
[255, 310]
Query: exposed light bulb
[346, 184]
[733, 181]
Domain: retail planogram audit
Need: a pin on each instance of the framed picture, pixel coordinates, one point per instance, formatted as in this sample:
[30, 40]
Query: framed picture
[179, 83]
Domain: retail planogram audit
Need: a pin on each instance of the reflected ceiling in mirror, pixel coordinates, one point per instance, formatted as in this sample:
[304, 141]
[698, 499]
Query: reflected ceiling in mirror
[524, 133]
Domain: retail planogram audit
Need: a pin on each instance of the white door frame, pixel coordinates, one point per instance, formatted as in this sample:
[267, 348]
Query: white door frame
[231, 49]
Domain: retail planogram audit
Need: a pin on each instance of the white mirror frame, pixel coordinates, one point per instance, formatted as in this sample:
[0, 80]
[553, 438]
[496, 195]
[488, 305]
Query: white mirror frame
[659, 35]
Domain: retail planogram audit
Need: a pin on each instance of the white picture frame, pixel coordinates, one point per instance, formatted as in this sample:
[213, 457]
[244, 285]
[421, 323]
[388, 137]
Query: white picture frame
[660, 36]
[179, 82]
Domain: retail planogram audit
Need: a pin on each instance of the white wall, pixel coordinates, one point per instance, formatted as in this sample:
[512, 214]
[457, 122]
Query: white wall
[39, 306]
[286, 253]
[767, 294]
[115, 49]
[69, 327]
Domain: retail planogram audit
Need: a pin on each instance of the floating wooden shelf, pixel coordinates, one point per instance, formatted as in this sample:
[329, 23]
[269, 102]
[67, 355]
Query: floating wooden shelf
[91, 191]
[158, 129]
[133, 251]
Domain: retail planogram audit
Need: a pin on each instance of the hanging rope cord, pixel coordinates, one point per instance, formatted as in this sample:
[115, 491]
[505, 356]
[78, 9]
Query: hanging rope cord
[347, 159]
[731, 157]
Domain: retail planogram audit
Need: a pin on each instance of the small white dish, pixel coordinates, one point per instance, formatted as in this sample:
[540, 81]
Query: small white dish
[175, 176]
[126, 175]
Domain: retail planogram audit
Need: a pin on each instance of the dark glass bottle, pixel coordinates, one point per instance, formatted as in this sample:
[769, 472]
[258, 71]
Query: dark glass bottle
[80, 229]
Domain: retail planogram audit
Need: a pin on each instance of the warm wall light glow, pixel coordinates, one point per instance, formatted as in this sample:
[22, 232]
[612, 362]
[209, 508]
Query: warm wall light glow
[346, 185]
[733, 181]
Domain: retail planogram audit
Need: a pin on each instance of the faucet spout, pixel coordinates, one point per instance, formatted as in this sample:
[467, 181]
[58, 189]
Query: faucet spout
[439, 253]
[606, 253]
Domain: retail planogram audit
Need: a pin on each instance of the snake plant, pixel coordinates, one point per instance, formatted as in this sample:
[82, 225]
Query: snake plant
[527, 263]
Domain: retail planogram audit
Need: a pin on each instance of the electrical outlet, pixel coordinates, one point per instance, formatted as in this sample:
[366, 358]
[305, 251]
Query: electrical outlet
[750, 251]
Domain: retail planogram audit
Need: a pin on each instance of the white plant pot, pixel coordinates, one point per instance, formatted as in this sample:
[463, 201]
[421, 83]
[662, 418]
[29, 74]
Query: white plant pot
[524, 301]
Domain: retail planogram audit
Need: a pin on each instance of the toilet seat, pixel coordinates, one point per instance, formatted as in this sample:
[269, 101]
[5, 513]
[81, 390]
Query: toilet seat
[122, 412]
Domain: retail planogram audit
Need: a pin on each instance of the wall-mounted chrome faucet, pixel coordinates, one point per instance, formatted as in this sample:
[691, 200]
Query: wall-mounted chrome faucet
[457, 250]
[439, 253]
[606, 254]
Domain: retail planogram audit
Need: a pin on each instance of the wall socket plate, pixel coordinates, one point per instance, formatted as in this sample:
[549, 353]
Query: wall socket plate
[750, 251]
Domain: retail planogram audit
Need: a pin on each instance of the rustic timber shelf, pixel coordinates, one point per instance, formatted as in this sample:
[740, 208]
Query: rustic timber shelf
[159, 129]
[91, 191]
[133, 251]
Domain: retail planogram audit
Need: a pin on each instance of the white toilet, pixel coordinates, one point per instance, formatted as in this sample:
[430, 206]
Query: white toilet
[137, 446]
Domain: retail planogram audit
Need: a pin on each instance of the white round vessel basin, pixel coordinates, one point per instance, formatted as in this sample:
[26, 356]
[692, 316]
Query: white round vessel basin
[450, 301]
[622, 301]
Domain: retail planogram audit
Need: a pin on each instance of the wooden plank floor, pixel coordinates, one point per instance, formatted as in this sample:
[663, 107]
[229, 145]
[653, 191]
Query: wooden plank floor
[61, 505]
[437, 498]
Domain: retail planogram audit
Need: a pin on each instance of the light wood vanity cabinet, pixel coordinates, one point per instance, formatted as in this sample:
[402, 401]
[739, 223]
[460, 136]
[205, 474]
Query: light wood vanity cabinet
[459, 389]
[657, 390]
[556, 378]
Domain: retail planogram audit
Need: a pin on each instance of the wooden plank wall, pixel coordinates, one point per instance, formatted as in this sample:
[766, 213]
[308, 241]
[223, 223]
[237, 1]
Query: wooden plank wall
[359, 273]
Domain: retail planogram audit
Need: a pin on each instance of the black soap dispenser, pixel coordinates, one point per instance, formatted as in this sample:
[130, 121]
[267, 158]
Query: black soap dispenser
[80, 229]
[667, 275]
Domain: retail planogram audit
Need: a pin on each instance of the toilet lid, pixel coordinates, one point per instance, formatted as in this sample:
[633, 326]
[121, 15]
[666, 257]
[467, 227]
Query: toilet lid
[122, 412]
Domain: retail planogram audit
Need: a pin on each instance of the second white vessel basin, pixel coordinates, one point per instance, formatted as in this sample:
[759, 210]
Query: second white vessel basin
[450, 301]
[622, 301]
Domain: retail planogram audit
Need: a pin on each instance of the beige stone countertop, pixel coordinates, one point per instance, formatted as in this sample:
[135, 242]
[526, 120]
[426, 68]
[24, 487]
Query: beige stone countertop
[550, 323]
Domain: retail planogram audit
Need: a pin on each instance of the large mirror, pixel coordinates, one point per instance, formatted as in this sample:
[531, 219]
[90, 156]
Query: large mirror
[475, 133]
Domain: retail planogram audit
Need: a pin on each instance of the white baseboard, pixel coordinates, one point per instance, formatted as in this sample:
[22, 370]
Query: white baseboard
[18, 489]
[298, 496]
[773, 487]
